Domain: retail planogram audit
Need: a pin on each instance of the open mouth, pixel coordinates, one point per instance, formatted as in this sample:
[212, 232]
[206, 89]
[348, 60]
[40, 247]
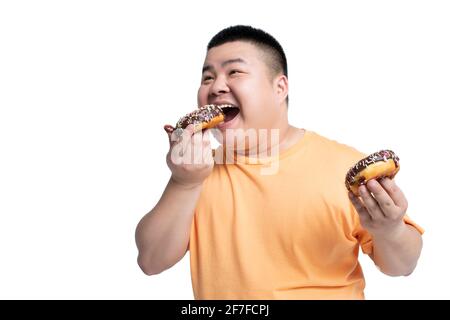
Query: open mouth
[230, 111]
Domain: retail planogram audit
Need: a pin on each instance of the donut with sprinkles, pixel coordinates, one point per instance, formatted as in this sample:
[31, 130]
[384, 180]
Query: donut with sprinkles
[381, 164]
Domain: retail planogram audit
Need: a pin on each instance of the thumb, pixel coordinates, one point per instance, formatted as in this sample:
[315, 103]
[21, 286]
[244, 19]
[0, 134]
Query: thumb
[169, 129]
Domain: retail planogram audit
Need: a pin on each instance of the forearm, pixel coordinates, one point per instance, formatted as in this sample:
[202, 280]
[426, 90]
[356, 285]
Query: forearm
[397, 254]
[162, 236]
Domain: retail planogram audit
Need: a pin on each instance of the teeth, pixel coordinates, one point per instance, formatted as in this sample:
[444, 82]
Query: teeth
[225, 106]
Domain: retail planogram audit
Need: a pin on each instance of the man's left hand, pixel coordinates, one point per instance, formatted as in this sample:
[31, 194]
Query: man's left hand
[381, 207]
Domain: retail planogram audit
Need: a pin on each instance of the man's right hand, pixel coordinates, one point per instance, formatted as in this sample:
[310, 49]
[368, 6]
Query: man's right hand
[190, 156]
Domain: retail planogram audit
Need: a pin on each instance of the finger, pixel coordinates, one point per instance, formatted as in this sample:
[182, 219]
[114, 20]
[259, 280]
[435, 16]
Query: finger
[208, 156]
[169, 129]
[185, 145]
[185, 139]
[207, 142]
[180, 139]
[364, 215]
[370, 203]
[395, 193]
[207, 135]
[198, 126]
[384, 200]
[189, 131]
[197, 146]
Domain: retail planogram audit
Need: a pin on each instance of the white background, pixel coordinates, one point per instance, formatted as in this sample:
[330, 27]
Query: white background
[86, 87]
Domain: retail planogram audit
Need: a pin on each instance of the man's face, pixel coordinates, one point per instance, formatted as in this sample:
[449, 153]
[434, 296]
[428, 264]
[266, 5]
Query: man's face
[236, 73]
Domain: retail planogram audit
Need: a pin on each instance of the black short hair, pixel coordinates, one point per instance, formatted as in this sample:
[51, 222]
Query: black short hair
[277, 62]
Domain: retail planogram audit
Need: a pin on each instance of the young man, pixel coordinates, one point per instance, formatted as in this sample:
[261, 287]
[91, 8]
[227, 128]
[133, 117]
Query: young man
[292, 233]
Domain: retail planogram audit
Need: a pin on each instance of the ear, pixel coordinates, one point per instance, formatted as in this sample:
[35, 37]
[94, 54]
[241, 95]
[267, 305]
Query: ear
[282, 87]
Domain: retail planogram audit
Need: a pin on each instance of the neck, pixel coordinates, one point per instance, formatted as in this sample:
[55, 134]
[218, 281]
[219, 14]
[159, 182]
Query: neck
[284, 137]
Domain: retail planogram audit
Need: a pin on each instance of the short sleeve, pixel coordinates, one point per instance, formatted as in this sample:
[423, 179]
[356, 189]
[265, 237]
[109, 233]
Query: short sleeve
[365, 239]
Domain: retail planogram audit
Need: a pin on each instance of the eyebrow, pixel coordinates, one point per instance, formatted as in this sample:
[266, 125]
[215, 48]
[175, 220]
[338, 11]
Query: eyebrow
[223, 64]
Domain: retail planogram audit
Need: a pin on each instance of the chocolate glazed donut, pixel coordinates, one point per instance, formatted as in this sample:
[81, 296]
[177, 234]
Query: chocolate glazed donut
[384, 163]
[205, 117]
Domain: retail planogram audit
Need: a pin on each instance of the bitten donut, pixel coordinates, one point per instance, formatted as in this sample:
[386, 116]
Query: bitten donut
[205, 117]
[384, 163]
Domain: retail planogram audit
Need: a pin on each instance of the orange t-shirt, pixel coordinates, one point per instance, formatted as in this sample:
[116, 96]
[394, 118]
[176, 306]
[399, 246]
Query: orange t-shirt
[289, 235]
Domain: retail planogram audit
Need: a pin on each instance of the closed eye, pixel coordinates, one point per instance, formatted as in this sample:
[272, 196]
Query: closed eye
[234, 72]
[207, 78]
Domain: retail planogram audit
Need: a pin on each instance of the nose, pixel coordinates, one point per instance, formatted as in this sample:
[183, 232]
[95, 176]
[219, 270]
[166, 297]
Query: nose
[219, 87]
